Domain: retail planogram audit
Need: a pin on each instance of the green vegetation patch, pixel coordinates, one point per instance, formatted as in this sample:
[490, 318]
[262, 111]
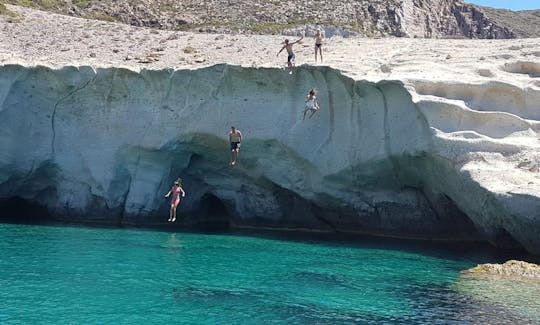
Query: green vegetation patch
[189, 49]
[82, 3]
[40, 4]
[4, 11]
[270, 27]
[55, 5]
[98, 16]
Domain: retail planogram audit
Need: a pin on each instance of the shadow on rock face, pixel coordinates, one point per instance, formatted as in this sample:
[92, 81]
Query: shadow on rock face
[212, 215]
[17, 209]
[371, 161]
[26, 196]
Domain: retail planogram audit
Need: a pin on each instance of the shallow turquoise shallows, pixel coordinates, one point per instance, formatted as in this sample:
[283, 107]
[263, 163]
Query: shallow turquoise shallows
[72, 275]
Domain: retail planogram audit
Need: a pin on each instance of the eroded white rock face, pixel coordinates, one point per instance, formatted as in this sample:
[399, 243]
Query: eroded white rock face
[430, 160]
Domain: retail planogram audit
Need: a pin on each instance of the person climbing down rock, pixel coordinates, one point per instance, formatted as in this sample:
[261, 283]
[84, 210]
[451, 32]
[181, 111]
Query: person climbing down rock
[235, 139]
[311, 103]
[175, 200]
[289, 47]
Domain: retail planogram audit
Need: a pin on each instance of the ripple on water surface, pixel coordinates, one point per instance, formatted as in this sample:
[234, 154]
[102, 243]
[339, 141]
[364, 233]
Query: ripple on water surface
[53, 275]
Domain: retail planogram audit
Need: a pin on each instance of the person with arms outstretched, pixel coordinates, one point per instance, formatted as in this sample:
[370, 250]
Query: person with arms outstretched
[176, 190]
[289, 47]
[235, 139]
[311, 103]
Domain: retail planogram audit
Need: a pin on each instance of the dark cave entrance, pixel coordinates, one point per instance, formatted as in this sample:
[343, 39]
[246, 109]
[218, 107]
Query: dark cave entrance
[17, 209]
[213, 213]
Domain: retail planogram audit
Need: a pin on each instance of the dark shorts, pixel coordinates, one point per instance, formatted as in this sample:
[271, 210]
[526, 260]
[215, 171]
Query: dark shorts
[290, 58]
[235, 145]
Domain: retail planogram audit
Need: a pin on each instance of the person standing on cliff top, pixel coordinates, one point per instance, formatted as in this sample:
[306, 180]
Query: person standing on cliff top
[175, 201]
[289, 47]
[235, 138]
[318, 44]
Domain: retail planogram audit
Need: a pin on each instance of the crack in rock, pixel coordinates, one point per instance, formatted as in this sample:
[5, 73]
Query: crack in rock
[53, 115]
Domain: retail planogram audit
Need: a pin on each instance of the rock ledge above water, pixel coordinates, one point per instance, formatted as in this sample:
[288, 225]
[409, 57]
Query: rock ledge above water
[511, 268]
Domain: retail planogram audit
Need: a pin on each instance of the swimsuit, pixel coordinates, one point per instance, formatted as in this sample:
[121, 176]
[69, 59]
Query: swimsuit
[310, 103]
[175, 194]
[235, 145]
[318, 45]
[290, 58]
[235, 139]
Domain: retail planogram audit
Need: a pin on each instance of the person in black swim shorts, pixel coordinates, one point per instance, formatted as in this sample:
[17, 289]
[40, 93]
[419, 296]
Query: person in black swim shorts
[289, 47]
[235, 138]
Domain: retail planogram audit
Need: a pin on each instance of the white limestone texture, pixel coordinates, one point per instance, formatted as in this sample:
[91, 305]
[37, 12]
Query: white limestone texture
[379, 158]
[434, 139]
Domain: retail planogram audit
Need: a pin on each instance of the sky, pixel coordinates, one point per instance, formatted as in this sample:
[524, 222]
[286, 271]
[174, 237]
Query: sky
[508, 4]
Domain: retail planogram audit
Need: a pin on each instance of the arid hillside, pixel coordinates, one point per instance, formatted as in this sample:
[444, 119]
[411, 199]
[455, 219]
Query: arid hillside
[373, 18]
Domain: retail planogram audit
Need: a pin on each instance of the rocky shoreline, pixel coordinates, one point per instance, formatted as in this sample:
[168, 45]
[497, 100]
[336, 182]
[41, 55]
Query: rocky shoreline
[411, 142]
[509, 269]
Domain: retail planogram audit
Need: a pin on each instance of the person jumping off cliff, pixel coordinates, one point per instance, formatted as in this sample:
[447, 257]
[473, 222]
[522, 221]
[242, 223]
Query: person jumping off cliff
[235, 139]
[175, 200]
[289, 47]
[311, 103]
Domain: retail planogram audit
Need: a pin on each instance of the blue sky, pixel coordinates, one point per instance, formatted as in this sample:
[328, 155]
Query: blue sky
[508, 4]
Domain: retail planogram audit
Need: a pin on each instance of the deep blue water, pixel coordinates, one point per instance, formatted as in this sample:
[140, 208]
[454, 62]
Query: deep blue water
[75, 275]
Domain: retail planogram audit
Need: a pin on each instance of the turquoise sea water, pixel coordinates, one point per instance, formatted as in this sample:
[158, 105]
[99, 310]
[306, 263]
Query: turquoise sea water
[74, 275]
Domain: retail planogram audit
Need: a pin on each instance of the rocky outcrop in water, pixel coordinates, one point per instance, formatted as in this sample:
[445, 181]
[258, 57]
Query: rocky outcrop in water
[511, 286]
[512, 268]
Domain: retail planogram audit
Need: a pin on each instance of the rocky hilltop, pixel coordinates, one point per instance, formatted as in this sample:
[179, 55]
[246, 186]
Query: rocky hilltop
[417, 138]
[402, 18]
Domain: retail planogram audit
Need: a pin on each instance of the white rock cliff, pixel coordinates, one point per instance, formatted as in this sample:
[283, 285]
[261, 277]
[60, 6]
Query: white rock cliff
[440, 160]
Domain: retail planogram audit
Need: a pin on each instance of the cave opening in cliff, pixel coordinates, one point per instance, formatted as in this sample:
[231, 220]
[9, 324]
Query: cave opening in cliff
[214, 213]
[17, 209]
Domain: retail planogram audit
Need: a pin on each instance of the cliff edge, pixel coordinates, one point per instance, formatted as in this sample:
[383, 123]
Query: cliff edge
[414, 138]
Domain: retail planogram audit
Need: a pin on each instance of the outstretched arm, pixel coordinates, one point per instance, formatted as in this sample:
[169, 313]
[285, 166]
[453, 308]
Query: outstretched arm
[280, 50]
[298, 40]
[168, 193]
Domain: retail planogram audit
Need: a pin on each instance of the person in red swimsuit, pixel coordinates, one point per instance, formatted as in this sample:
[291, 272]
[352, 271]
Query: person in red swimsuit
[175, 201]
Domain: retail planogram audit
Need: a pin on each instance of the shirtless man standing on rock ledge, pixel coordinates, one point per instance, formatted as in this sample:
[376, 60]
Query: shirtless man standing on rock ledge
[235, 138]
[290, 57]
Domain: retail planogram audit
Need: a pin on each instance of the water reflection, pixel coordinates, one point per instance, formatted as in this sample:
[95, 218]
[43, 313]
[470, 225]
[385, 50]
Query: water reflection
[519, 296]
[114, 276]
[173, 242]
